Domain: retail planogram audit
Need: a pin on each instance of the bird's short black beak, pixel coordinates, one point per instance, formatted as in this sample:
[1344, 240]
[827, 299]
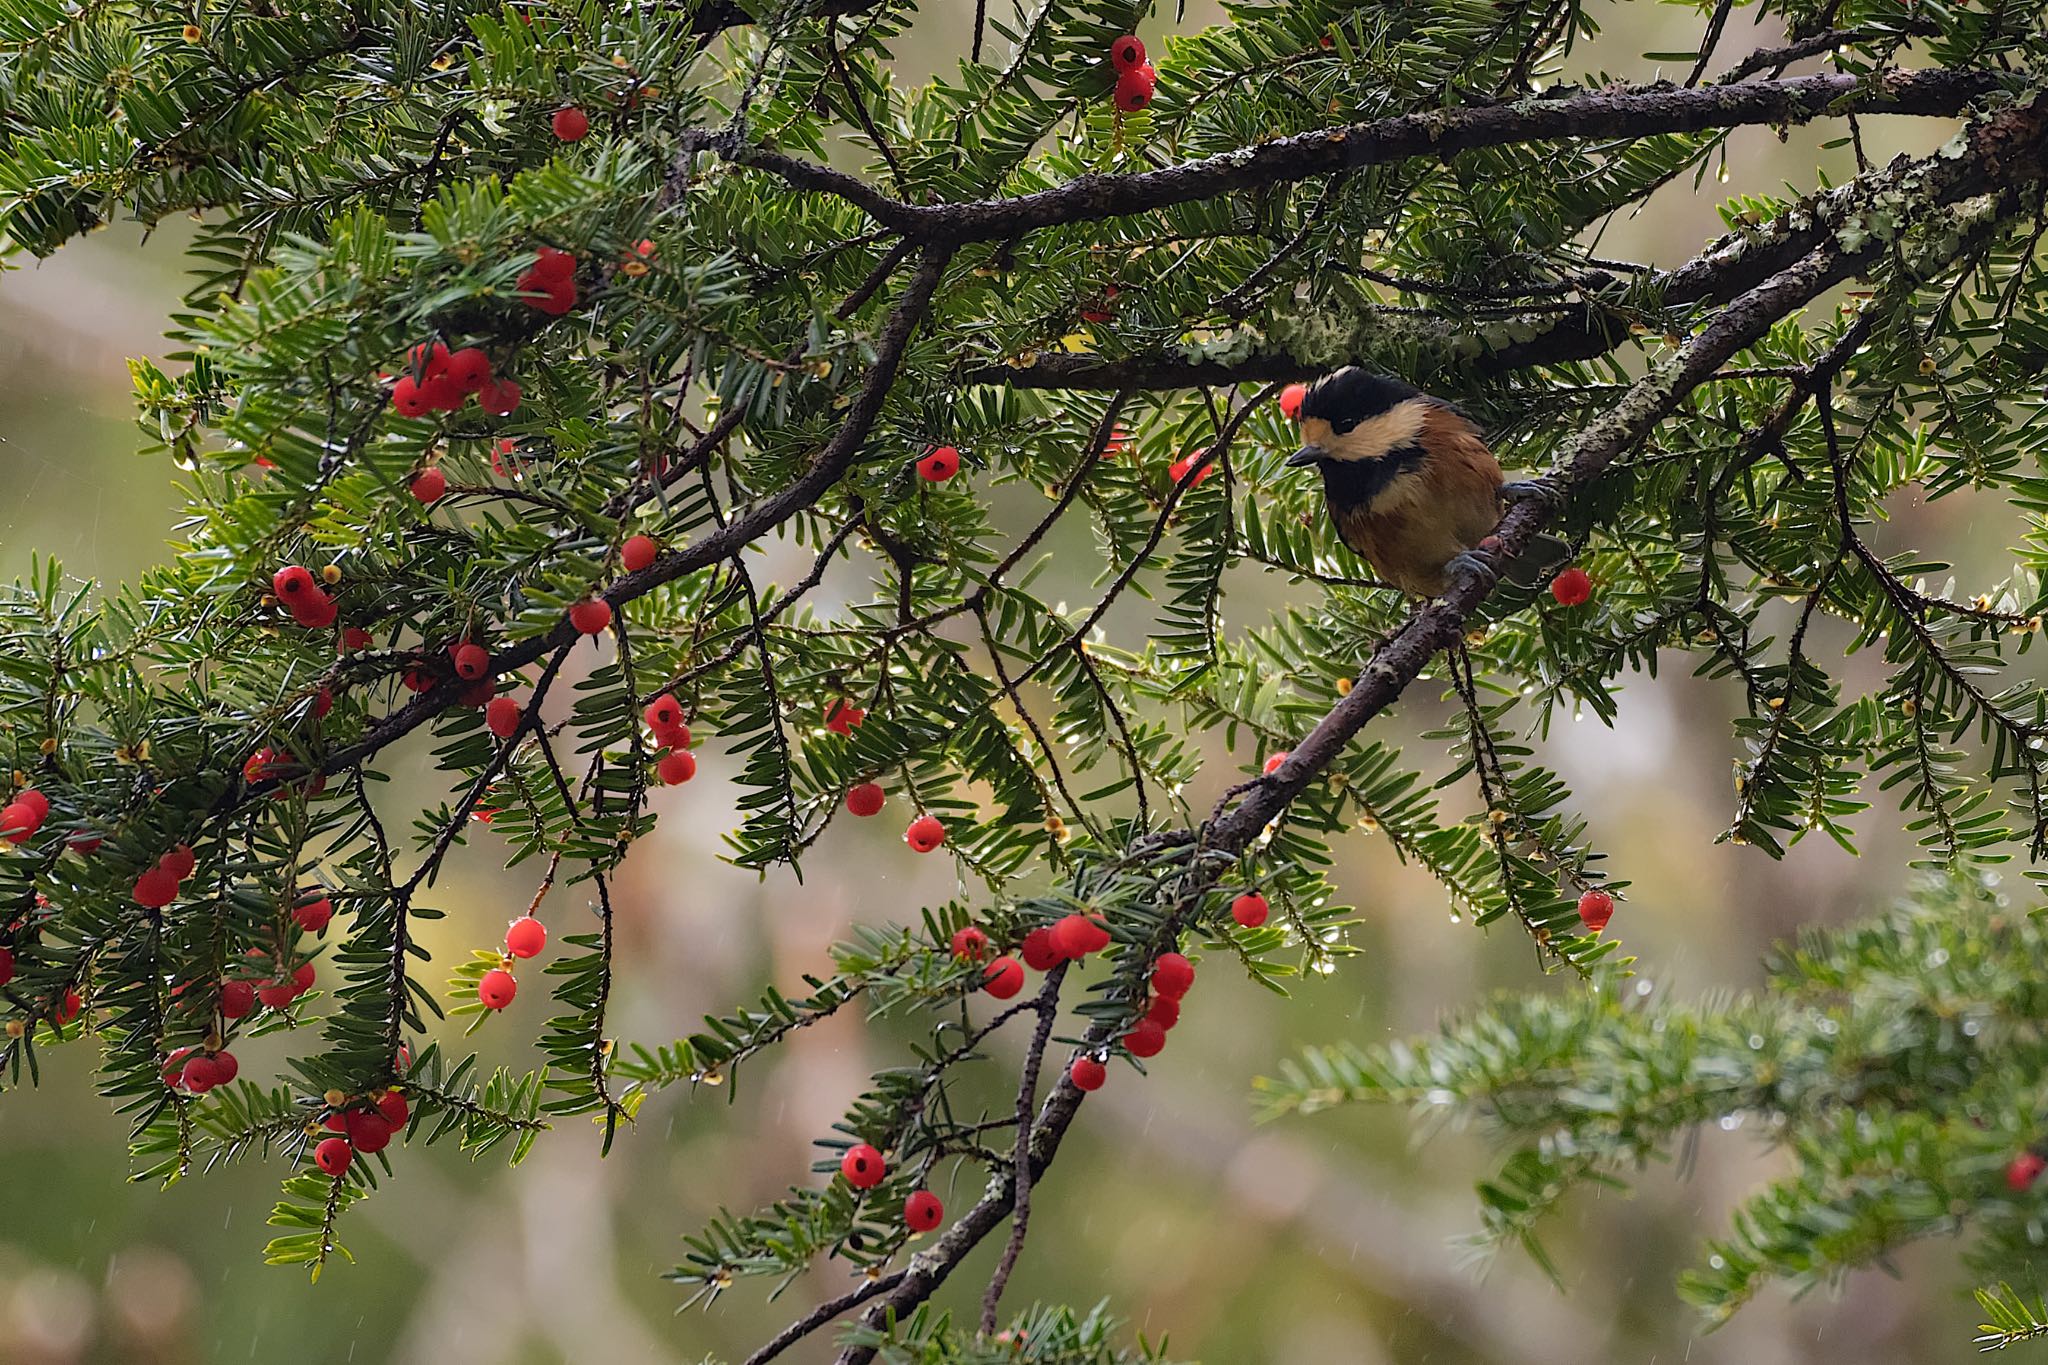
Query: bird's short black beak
[1305, 457]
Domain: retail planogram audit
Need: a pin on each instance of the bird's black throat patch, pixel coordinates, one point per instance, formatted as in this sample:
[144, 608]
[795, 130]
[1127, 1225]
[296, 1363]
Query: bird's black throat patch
[1351, 484]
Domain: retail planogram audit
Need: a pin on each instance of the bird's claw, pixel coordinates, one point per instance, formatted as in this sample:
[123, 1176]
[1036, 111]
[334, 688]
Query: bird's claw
[1474, 564]
[1543, 489]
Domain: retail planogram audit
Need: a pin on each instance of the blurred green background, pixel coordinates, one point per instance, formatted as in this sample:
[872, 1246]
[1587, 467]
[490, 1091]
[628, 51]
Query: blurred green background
[1331, 1239]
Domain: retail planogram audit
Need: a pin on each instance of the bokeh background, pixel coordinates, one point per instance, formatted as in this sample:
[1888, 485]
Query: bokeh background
[1325, 1239]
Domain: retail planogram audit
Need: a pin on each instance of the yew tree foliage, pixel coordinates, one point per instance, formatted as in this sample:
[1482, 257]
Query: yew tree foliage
[795, 274]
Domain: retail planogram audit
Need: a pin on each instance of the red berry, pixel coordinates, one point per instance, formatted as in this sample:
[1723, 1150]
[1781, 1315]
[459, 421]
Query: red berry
[302, 978]
[1290, 401]
[591, 615]
[638, 552]
[442, 393]
[355, 637]
[1041, 953]
[237, 998]
[969, 944]
[277, 994]
[571, 125]
[155, 889]
[1163, 1012]
[1273, 763]
[367, 1130]
[85, 845]
[1250, 910]
[498, 397]
[1572, 588]
[472, 661]
[1087, 1074]
[427, 360]
[1596, 908]
[408, 398]
[174, 1067]
[677, 767]
[1146, 1039]
[2022, 1171]
[333, 1155]
[525, 937]
[35, 801]
[942, 464]
[865, 799]
[179, 862]
[323, 702]
[663, 714]
[225, 1067]
[314, 610]
[429, 484]
[926, 833]
[1172, 975]
[200, 1074]
[314, 915]
[501, 716]
[290, 581]
[497, 988]
[395, 1111]
[1178, 470]
[553, 297]
[68, 1011]
[842, 717]
[6, 966]
[1003, 977]
[17, 822]
[863, 1166]
[922, 1211]
[1076, 936]
[551, 265]
[1127, 53]
[417, 680]
[469, 369]
[1135, 88]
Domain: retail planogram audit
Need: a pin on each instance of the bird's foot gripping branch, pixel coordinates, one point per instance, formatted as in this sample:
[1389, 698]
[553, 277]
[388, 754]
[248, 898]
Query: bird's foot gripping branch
[522, 332]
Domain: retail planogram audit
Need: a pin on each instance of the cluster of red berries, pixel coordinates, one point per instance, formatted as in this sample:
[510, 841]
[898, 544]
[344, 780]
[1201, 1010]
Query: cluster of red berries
[366, 1128]
[664, 717]
[864, 1168]
[439, 380]
[303, 597]
[1172, 977]
[158, 887]
[276, 993]
[549, 284]
[1572, 588]
[939, 464]
[1596, 907]
[524, 937]
[197, 1070]
[23, 816]
[1069, 939]
[1136, 81]
[842, 717]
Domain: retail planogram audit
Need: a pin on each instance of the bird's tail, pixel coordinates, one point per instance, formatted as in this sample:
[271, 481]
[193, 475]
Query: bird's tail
[1543, 555]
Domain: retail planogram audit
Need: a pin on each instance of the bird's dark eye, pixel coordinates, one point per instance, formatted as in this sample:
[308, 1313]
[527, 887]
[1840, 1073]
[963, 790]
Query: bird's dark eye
[1342, 425]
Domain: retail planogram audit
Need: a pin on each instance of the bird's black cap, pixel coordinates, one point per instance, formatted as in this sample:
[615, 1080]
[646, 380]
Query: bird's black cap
[1355, 394]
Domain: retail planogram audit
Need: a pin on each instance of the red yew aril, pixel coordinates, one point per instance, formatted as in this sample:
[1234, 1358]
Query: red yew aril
[1087, 1073]
[323, 702]
[842, 717]
[969, 944]
[426, 360]
[1135, 89]
[472, 661]
[1041, 953]
[277, 994]
[354, 638]
[865, 799]
[1273, 763]
[409, 398]
[591, 616]
[1172, 975]
[314, 610]
[571, 124]
[469, 368]
[18, 823]
[173, 1070]
[333, 1155]
[638, 552]
[1596, 907]
[662, 714]
[677, 767]
[429, 485]
[442, 393]
[1572, 588]
[1146, 1039]
[1290, 401]
[367, 1130]
[1250, 910]
[1076, 936]
[155, 889]
[225, 1067]
[290, 581]
[1127, 53]
[1163, 1012]
[863, 1166]
[302, 978]
[940, 465]
[2023, 1170]
[497, 988]
[68, 1010]
[501, 716]
[393, 1107]
[554, 265]
[35, 801]
[525, 937]
[499, 397]
[1003, 977]
[314, 915]
[200, 1074]
[237, 999]
[926, 833]
[922, 1211]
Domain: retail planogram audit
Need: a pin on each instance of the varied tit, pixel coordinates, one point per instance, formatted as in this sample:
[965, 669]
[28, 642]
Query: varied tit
[1410, 484]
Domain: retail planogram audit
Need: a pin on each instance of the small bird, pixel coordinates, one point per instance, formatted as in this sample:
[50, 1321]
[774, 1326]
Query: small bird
[1410, 483]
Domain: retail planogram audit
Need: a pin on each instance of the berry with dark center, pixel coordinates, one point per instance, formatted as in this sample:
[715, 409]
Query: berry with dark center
[1135, 89]
[429, 485]
[469, 368]
[1572, 588]
[2022, 1171]
[1146, 1039]
[677, 767]
[863, 1166]
[409, 398]
[940, 465]
[1087, 1073]
[1076, 936]
[525, 937]
[497, 988]
[290, 581]
[501, 716]
[1003, 977]
[865, 799]
[922, 1211]
[638, 552]
[1172, 975]
[571, 124]
[663, 714]
[1250, 910]
[969, 944]
[200, 1074]
[472, 661]
[1290, 401]
[926, 833]
[1127, 53]
[591, 616]
[237, 999]
[1041, 953]
[1596, 907]
[333, 1155]
[314, 915]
